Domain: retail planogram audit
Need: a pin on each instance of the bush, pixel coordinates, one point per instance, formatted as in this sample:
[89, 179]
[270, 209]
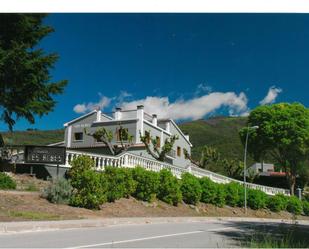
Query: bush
[147, 184]
[169, 189]
[6, 182]
[257, 199]
[59, 191]
[294, 205]
[234, 194]
[220, 195]
[79, 165]
[119, 183]
[277, 203]
[90, 190]
[306, 207]
[208, 190]
[190, 188]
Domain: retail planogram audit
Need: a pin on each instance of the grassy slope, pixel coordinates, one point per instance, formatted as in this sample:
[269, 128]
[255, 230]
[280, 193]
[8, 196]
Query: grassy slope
[33, 137]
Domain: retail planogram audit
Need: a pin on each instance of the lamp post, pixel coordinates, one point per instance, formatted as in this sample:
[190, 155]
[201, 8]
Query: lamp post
[245, 163]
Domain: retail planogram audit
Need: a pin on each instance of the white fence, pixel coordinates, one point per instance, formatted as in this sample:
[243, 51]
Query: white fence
[131, 160]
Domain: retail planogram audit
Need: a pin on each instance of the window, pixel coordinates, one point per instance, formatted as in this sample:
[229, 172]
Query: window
[158, 142]
[178, 151]
[78, 136]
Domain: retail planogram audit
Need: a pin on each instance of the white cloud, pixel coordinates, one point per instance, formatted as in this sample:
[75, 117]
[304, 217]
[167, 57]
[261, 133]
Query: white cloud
[102, 103]
[203, 88]
[271, 96]
[195, 108]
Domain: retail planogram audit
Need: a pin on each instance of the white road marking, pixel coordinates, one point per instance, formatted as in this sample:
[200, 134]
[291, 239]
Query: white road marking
[133, 240]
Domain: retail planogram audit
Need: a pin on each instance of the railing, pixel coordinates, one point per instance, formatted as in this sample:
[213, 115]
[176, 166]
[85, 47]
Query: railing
[131, 160]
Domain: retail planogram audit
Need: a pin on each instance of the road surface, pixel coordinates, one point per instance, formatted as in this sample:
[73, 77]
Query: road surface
[168, 235]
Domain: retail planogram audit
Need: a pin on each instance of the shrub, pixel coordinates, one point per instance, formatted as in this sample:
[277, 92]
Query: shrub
[294, 205]
[306, 207]
[169, 189]
[233, 194]
[190, 188]
[79, 165]
[6, 182]
[147, 184]
[220, 195]
[119, 183]
[208, 190]
[90, 190]
[256, 199]
[59, 191]
[277, 203]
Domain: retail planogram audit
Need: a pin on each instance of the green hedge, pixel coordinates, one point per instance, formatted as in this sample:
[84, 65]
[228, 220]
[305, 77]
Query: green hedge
[147, 184]
[90, 192]
[294, 205]
[191, 189]
[257, 199]
[277, 203]
[306, 207]
[234, 194]
[120, 183]
[169, 189]
[91, 189]
[6, 182]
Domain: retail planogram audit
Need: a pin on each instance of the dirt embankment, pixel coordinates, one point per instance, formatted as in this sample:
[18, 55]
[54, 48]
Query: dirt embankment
[28, 205]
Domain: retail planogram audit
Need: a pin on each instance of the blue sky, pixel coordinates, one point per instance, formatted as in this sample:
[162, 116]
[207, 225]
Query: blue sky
[188, 66]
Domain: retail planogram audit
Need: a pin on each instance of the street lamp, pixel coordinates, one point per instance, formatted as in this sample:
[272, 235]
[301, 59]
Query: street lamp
[245, 163]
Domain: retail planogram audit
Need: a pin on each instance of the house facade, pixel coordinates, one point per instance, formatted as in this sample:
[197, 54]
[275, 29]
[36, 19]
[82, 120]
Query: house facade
[136, 122]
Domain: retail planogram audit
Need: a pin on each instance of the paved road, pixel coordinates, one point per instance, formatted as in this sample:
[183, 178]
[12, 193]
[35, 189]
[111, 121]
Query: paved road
[185, 234]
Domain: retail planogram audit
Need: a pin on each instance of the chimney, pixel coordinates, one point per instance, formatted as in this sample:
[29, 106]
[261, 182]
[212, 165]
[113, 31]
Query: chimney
[140, 112]
[118, 113]
[168, 126]
[99, 114]
[154, 119]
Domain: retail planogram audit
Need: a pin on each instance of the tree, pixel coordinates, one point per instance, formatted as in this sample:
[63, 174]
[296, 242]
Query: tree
[154, 148]
[106, 136]
[26, 89]
[233, 168]
[283, 133]
[208, 155]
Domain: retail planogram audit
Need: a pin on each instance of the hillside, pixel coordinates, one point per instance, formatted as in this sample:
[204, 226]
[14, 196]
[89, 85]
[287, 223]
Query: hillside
[36, 137]
[218, 132]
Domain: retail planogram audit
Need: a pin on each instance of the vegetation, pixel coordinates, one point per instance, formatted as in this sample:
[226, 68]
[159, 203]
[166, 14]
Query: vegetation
[220, 133]
[169, 189]
[277, 203]
[25, 69]
[208, 155]
[33, 137]
[191, 189]
[154, 148]
[59, 191]
[257, 199]
[234, 194]
[294, 205]
[283, 133]
[306, 207]
[6, 182]
[267, 240]
[147, 184]
[120, 183]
